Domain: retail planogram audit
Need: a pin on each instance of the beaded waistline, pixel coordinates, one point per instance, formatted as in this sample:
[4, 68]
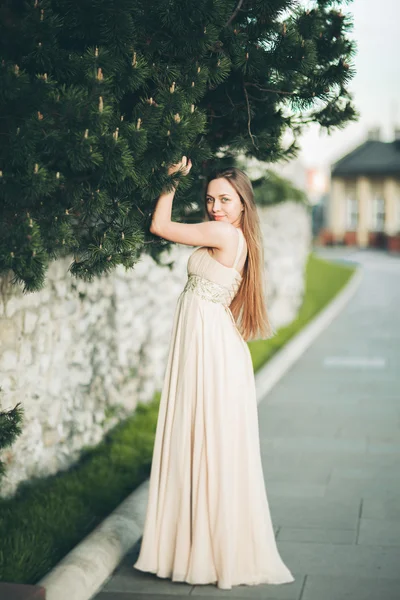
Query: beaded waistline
[209, 290]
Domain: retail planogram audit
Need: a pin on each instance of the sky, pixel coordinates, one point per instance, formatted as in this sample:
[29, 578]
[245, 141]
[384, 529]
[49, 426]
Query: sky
[375, 86]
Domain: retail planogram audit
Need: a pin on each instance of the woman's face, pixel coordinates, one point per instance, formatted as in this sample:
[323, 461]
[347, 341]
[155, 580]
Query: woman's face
[223, 202]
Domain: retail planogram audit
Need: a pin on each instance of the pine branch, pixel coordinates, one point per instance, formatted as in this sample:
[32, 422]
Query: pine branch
[10, 425]
[262, 89]
[249, 117]
[235, 12]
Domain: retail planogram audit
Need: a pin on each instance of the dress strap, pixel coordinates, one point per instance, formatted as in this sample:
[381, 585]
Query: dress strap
[239, 248]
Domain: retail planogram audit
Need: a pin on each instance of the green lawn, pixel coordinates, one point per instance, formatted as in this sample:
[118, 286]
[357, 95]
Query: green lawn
[48, 517]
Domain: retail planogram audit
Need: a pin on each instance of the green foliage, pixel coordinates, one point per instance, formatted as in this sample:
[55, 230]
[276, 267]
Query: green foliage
[272, 189]
[97, 98]
[10, 429]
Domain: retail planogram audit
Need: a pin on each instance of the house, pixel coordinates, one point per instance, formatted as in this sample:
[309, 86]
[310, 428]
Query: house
[364, 200]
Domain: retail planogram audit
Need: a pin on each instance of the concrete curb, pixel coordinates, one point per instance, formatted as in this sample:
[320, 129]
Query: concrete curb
[84, 570]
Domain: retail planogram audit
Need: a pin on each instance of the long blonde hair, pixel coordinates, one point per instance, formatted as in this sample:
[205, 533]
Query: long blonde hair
[249, 305]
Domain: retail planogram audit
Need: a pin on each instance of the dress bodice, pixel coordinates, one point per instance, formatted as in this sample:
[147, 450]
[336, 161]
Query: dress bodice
[212, 280]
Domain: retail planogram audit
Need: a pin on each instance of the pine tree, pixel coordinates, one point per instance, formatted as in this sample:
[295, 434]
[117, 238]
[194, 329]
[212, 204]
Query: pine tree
[10, 428]
[99, 97]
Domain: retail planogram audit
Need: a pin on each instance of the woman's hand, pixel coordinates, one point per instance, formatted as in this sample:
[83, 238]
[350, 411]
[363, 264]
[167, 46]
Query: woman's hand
[184, 165]
[162, 212]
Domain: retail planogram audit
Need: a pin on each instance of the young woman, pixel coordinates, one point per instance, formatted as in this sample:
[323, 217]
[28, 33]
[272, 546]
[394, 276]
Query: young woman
[208, 518]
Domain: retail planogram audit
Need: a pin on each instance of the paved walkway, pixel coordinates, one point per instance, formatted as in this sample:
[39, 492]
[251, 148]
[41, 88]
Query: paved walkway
[330, 440]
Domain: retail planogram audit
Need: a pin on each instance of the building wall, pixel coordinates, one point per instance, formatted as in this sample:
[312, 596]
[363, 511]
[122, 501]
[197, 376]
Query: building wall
[79, 356]
[366, 193]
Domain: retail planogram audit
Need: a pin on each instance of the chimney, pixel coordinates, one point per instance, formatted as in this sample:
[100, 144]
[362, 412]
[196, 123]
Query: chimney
[374, 134]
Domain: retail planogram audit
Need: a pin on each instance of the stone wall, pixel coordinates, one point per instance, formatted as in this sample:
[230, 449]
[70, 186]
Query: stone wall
[79, 356]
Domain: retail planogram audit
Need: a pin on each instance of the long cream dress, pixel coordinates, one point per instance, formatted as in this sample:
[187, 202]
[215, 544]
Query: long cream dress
[208, 518]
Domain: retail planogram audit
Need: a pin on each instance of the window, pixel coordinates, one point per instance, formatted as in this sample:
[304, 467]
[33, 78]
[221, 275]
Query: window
[378, 214]
[397, 217]
[351, 213]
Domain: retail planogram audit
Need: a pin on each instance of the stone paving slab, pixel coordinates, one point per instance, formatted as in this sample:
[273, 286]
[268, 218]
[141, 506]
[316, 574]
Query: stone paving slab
[379, 532]
[132, 580]
[287, 591]
[320, 444]
[384, 448]
[365, 472]
[276, 427]
[381, 508]
[256, 594]
[341, 494]
[303, 460]
[314, 534]
[343, 393]
[133, 596]
[380, 562]
[364, 488]
[349, 588]
[303, 474]
[315, 512]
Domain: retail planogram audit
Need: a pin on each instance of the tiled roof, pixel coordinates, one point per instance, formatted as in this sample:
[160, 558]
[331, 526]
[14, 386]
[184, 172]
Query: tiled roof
[373, 157]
